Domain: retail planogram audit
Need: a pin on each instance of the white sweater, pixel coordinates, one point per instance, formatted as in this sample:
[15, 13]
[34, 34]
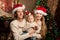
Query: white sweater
[33, 24]
[16, 28]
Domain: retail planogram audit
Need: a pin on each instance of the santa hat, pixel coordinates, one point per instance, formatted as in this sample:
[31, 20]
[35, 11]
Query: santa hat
[18, 7]
[41, 10]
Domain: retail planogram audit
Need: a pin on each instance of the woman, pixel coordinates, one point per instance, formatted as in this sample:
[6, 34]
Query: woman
[40, 12]
[17, 25]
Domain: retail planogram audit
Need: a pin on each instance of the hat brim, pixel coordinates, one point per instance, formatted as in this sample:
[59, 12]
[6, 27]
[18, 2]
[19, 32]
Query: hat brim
[18, 8]
[40, 11]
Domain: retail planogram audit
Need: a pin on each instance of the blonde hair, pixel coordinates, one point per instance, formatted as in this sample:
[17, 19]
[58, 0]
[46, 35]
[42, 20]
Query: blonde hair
[43, 28]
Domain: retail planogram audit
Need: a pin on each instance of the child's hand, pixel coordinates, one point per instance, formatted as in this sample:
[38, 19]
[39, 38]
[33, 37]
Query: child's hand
[31, 31]
[35, 28]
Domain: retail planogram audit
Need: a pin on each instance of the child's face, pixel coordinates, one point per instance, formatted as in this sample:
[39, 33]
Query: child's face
[38, 16]
[30, 18]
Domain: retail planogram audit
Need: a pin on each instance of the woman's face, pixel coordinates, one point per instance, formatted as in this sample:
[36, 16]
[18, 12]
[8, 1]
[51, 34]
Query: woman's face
[38, 16]
[20, 13]
[31, 18]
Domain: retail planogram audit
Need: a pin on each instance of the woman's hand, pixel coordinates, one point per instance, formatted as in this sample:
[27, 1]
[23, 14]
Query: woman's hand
[31, 32]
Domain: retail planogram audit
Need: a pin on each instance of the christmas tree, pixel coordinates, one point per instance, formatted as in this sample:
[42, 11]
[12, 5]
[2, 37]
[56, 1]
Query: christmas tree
[50, 22]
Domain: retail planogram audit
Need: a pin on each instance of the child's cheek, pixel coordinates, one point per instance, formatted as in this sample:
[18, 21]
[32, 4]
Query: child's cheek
[32, 20]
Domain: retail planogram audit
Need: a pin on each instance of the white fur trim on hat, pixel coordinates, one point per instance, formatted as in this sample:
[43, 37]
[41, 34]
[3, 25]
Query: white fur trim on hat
[41, 12]
[18, 8]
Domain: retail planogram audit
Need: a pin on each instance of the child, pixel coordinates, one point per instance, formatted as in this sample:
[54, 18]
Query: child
[31, 24]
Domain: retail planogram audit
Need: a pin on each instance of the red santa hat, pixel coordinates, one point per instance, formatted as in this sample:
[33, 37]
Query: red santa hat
[18, 7]
[41, 10]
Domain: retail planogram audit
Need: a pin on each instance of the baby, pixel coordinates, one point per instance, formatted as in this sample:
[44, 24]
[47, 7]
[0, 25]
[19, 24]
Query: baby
[31, 24]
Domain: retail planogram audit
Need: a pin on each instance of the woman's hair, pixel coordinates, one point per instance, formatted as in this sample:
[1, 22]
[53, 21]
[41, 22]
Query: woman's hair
[15, 15]
[43, 28]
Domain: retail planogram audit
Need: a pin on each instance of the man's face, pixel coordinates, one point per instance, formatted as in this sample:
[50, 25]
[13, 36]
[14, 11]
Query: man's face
[20, 13]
